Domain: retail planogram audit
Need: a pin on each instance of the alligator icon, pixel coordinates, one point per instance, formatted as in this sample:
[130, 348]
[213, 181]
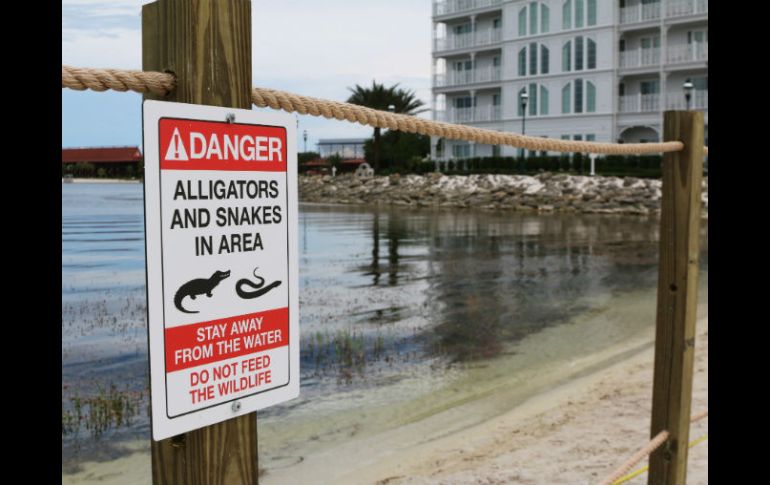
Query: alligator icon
[198, 286]
[258, 287]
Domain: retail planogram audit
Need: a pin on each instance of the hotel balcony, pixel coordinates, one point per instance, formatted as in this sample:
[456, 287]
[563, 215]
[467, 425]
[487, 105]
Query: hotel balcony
[456, 6]
[644, 103]
[460, 78]
[470, 115]
[471, 39]
[688, 53]
[639, 13]
[640, 58]
[687, 7]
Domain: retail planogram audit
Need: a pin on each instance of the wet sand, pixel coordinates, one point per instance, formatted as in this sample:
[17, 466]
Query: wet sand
[575, 432]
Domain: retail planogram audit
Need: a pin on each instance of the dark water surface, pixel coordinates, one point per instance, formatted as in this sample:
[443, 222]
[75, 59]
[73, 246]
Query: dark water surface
[395, 306]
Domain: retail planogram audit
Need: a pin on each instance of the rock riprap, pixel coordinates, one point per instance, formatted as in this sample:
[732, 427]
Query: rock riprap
[544, 192]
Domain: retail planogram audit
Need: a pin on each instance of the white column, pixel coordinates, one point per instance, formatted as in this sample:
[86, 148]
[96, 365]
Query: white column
[593, 161]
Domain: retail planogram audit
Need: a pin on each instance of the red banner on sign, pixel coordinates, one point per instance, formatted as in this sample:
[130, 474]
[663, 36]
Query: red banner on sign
[213, 145]
[202, 343]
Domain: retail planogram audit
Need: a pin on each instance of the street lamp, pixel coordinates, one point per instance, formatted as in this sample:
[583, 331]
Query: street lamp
[392, 108]
[687, 86]
[304, 137]
[524, 99]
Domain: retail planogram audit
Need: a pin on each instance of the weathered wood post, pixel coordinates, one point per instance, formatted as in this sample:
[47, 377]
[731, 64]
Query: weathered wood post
[677, 296]
[207, 45]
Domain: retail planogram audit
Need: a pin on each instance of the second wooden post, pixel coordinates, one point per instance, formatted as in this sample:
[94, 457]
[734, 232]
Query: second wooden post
[677, 296]
[207, 45]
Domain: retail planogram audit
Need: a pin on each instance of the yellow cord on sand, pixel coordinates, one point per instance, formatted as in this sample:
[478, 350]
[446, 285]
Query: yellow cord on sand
[644, 468]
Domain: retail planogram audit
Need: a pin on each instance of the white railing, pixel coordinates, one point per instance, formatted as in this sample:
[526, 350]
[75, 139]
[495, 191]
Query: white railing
[687, 7]
[453, 6]
[640, 13]
[636, 103]
[457, 78]
[640, 57]
[698, 51]
[470, 39]
[698, 100]
[469, 115]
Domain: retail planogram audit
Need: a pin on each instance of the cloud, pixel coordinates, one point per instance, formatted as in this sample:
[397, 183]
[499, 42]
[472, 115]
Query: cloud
[304, 46]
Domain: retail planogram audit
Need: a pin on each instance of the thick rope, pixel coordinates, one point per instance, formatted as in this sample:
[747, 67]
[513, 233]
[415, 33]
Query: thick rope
[647, 467]
[162, 83]
[79, 78]
[653, 445]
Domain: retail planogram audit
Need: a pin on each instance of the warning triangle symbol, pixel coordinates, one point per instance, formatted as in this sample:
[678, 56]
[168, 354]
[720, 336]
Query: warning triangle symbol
[176, 150]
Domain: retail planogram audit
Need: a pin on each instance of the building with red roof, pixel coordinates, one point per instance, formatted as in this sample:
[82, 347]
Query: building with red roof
[102, 162]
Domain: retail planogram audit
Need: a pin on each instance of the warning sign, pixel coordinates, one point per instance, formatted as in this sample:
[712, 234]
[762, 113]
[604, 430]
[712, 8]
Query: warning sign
[221, 216]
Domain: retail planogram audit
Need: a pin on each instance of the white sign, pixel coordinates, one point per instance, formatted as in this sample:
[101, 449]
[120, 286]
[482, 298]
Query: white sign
[220, 194]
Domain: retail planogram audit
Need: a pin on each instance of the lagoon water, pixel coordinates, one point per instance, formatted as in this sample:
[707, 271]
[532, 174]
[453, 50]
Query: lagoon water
[405, 315]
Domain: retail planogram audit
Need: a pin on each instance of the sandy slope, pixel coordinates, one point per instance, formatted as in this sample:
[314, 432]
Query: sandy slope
[574, 434]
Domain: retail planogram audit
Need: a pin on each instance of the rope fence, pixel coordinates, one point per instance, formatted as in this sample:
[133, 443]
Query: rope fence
[161, 84]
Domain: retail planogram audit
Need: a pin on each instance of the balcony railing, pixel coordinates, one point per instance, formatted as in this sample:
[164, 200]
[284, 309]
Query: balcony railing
[457, 78]
[644, 103]
[698, 51]
[640, 13]
[454, 6]
[698, 100]
[471, 39]
[640, 57]
[687, 7]
[469, 115]
[637, 103]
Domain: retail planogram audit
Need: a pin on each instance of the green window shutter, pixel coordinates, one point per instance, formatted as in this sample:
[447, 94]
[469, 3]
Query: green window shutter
[591, 97]
[579, 53]
[532, 59]
[523, 22]
[579, 5]
[566, 54]
[533, 99]
[578, 95]
[566, 15]
[591, 12]
[532, 18]
[544, 60]
[543, 100]
[545, 18]
[523, 61]
[591, 61]
[566, 91]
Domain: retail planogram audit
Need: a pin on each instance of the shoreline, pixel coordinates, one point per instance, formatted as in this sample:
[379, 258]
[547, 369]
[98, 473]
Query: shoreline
[545, 192]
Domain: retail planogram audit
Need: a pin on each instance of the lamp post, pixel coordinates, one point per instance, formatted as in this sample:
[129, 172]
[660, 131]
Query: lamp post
[524, 99]
[304, 137]
[687, 86]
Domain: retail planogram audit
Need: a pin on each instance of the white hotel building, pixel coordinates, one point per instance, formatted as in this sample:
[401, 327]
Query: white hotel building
[602, 70]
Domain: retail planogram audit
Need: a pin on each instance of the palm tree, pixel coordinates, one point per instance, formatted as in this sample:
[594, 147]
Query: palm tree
[379, 97]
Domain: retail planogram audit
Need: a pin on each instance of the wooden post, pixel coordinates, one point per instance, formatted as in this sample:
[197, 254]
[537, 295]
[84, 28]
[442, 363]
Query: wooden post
[207, 45]
[677, 296]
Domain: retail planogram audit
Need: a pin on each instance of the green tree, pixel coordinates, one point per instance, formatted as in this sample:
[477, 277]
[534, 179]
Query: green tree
[379, 97]
[400, 148]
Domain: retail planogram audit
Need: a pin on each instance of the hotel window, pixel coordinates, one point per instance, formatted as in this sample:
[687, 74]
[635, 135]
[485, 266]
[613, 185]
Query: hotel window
[544, 59]
[584, 14]
[532, 59]
[566, 56]
[532, 18]
[582, 93]
[523, 22]
[566, 96]
[523, 61]
[543, 100]
[545, 18]
[533, 99]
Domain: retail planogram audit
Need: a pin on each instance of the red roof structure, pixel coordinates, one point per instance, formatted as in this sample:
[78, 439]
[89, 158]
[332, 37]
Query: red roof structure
[353, 161]
[101, 155]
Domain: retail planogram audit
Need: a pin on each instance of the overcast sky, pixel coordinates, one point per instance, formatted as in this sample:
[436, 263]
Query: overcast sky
[310, 47]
